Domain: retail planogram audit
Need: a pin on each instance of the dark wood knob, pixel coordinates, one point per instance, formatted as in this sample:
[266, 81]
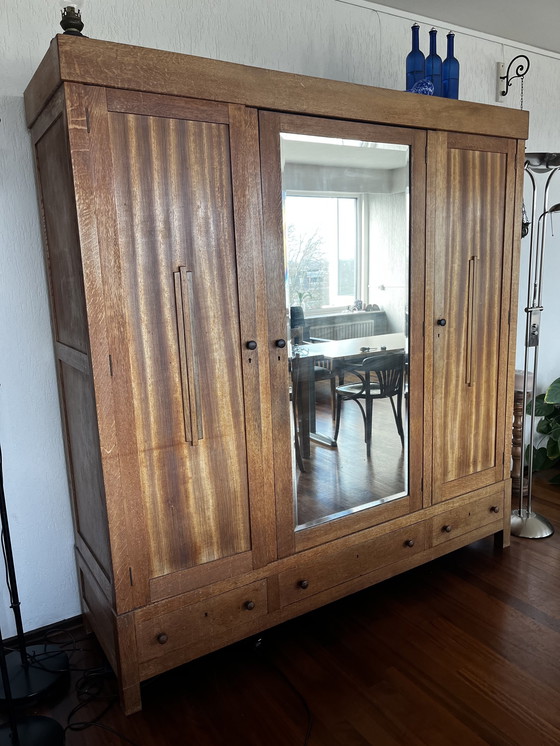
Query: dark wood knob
[447, 529]
[251, 344]
[280, 343]
[441, 322]
[409, 543]
[162, 638]
[495, 509]
[303, 584]
[249, 605]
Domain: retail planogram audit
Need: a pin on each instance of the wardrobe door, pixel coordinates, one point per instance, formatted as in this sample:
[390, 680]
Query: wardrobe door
[185, 384]
[473, 187]
[344, 240]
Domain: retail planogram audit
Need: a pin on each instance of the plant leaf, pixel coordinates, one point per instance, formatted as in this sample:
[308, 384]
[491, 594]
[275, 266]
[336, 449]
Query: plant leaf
[553, 449]
[541, 460]
[555, 433]
[544, 426]
[552, 395]
[541, 408]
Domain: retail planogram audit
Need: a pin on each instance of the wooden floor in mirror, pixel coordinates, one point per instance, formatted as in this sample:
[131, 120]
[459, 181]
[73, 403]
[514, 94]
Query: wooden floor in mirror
[343, 478]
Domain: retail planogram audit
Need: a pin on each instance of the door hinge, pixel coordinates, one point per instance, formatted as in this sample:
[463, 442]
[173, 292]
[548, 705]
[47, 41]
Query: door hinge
[422, 484]
[130, 575]
[110, 366]
[88, 121]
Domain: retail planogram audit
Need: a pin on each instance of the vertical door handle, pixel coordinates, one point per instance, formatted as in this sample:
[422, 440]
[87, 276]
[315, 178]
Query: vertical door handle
[190, 384]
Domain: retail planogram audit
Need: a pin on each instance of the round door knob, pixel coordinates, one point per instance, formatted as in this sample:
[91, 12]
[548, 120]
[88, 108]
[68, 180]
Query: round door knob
[441, 322]
[447, 529]
[249, 605]
[280, 343]
[494, 509]
[409, 543]
[162, 639]
[251, 345]
[303, 584]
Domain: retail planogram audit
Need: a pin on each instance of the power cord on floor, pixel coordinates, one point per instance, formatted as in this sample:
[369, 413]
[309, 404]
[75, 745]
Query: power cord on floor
[91, 689]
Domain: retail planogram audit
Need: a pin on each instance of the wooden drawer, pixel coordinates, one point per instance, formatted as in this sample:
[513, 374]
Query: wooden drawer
[232, 613]
[480, 512]
[351, 562]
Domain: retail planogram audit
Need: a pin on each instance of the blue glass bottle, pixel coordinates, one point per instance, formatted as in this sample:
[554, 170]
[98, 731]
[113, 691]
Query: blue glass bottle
[450, 70]
[414, 60]
[433, 64]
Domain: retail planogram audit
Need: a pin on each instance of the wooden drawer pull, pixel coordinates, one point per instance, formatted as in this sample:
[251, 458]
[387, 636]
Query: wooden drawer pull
[495, 509]
[162, 639]
[303, 584]
[249, 605]
[409, 543]
[447, 528]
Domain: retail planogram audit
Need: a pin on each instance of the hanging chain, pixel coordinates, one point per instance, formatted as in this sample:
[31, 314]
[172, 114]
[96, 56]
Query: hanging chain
[522, 81]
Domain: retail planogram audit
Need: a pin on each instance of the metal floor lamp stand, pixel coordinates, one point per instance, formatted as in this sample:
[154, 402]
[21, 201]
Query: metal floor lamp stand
[524, 521]
[31, 672]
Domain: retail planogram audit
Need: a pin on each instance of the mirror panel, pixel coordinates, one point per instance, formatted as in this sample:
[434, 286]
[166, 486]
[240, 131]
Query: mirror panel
[346, 250]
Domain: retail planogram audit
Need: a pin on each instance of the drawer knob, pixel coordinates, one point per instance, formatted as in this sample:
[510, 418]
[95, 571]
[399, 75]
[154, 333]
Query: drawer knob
[409, 543]
[303, 584]
[495, 509]
[249, 605]
[251, 345]
[162, 639]
[447, 529]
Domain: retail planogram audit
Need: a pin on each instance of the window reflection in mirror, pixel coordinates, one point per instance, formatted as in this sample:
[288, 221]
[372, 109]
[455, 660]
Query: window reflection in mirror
[346, 231]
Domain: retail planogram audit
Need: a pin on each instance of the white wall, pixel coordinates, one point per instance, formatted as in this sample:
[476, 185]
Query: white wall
[328, 38]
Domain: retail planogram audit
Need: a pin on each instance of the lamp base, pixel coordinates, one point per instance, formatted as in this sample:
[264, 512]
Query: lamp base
[529, 525]
[46, 674]
[34, 731]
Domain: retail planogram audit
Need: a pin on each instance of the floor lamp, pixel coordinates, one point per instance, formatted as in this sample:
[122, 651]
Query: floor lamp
[524, 521]
[29, 673]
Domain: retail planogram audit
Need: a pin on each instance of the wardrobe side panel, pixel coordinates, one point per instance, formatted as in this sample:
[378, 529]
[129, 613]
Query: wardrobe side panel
[70, 330]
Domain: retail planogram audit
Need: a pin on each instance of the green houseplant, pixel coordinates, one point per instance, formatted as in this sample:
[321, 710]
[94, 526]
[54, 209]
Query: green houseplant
[546, 454]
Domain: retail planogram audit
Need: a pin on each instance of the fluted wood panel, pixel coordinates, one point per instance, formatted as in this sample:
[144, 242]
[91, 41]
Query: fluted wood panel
[175, 228]
[469, 349]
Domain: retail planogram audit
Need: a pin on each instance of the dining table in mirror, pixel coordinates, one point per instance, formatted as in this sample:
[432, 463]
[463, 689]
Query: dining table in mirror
[342, 207]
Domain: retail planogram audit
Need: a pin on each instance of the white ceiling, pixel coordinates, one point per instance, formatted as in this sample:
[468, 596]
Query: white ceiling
[532, 22]
[322, 151]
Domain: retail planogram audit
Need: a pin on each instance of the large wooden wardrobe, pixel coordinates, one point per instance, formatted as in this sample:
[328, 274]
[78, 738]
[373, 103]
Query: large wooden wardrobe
[160, 187]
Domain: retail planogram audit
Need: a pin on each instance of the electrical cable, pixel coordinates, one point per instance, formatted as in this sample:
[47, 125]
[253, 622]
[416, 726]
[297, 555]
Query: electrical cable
[90, 689]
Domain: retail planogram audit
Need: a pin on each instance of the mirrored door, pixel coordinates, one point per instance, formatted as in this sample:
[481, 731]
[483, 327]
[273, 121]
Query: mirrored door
[338, 212]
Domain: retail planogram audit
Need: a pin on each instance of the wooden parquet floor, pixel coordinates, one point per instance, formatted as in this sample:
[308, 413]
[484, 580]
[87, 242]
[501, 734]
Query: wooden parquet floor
[463, 651]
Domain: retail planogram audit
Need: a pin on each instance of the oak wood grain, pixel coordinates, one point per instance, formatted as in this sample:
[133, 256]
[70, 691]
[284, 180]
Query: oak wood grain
[455, 651]
[472, 284]
[173, 197]
[134, 68]
[253, 325]
[168, 179]
[92, 161]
